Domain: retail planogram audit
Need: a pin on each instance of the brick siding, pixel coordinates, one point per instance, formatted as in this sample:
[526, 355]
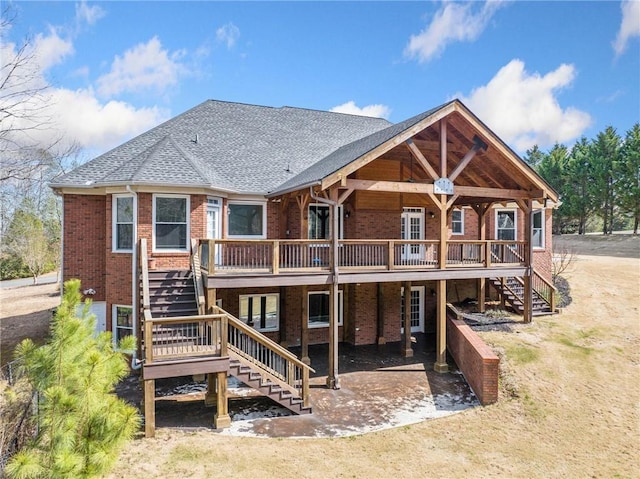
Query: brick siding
[478, 363]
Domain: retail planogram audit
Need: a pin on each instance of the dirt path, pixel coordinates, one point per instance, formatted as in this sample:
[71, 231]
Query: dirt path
[572, 411]
[25, 313]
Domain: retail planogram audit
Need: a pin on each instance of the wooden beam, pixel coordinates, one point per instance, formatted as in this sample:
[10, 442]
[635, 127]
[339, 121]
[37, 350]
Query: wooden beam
[452, 199]
[344, 195]
[222, 418]
[391, 186]
[332, 376]
[387, 146]
[464, 162]
[498, 193]
[443, 147]
[417, 154]
[444, 233]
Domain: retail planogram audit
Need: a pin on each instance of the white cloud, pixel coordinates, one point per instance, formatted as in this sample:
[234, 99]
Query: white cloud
[145, 66]
[629, 27]
[87, 14]
[229, 34]
[51, 49]
[452, 22]
[41, 116]
[523, 110]
[350, 107]
[101, 125]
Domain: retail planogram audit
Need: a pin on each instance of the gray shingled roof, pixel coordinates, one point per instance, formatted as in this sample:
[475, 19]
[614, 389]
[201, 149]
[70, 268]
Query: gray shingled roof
[350, 152]
[240, 148]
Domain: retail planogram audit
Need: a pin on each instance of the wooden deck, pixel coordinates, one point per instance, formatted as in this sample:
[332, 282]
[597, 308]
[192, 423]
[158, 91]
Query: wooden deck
[234, 263]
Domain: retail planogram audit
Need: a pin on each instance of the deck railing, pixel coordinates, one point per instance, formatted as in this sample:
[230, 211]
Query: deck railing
[275, 256]
[545, 289]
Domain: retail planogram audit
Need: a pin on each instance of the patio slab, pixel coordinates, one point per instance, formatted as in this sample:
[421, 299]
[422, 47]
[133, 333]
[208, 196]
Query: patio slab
[379, 389]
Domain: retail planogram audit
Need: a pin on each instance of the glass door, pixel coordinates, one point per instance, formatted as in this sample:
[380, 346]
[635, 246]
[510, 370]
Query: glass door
[412, 228]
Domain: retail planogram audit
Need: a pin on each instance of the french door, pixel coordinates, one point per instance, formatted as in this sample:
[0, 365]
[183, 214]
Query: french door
[416, 310]
[213, 223]
[412, 228]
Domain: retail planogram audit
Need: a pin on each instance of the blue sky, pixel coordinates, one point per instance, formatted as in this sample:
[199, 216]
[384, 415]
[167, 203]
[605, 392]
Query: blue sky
[535, 72]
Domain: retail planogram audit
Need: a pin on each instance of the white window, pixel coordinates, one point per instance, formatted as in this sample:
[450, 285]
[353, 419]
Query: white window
[320, 221]
[506, 221]
[122, 220]
[457, 222]
[320, 307]
[122, 323]
[247, 220]
[537, 229]
[262, 311]
[170, 222]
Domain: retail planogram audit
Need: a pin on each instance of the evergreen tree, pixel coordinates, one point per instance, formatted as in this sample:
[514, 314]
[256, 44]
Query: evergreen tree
[552, 168]
[605, 162]
[577, 199]
[628, 186]
[83, 424]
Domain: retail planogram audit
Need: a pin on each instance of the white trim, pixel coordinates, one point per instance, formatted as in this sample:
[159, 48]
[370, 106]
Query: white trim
[461, 232]
[515, 222]
[114, 223]
[340, 309]
[114, 323]
[247, 202]
[542, 228]
[153, 224]
[252, 323]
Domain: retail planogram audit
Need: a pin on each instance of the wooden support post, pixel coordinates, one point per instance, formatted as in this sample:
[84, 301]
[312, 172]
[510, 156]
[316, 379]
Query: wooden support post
[380, 314]
[406, 350]
[332, 377]
[528, 257]
[482, 292]
[441, 365]
[210, 397]
[211, 300]
[444, 232]
[391, 255]
[149, 408]
[304, 334]
[481, 211]
[282, 308]
[221, 418]
[275, 261]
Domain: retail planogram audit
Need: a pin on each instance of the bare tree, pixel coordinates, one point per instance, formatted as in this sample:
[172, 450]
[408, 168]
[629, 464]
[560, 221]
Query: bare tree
[563, 258]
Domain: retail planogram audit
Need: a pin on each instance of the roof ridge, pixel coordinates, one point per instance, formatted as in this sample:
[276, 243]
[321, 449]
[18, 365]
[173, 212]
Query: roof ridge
[147, 154]
[190, 159]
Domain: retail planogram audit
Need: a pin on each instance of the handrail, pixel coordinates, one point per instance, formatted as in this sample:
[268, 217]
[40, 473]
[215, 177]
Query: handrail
[144, 267]
[262, 339]
[197, 275]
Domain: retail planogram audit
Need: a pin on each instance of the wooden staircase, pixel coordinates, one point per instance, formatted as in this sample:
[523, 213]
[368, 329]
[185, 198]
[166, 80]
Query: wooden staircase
[172, 293]
[178, 332]
[262, 383]
[512, 291]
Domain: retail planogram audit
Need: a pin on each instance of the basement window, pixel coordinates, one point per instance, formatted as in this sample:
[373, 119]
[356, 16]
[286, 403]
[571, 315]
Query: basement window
[170, 223]
[261, 311]
[320, 307]
[122, 321]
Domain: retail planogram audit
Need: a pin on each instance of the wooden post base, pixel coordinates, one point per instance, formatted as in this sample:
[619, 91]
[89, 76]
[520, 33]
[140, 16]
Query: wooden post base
[382, 340]
[441, 367]
[221, 421]
[407, 353]
[333, 383]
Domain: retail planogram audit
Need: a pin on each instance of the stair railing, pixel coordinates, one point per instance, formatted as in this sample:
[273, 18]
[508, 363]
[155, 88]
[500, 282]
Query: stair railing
[545, 289]
[197, 276]
[276, 363]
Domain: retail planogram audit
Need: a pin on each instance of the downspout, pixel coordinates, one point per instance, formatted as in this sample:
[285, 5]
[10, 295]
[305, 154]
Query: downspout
[135, 362]
[332, 377]
[60, 276]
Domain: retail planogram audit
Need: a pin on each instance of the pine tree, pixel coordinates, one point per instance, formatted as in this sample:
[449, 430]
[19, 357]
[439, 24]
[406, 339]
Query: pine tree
[83, 424]
[629, 180]
[606, 156]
